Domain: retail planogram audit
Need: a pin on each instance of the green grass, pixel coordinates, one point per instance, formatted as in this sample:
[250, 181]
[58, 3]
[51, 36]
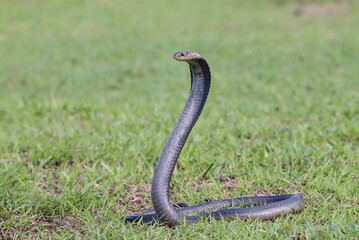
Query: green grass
[89, 93]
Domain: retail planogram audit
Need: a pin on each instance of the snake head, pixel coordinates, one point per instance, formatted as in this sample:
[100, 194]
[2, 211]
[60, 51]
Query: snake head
[186, 56]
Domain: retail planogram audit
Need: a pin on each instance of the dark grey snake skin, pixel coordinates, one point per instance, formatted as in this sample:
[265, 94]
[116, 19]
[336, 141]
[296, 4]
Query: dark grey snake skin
[261, 207]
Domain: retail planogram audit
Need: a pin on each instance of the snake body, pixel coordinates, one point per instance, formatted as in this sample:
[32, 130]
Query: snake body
[261, 207]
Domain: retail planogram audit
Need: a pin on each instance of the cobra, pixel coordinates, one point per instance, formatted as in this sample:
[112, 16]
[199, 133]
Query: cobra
[255, 207]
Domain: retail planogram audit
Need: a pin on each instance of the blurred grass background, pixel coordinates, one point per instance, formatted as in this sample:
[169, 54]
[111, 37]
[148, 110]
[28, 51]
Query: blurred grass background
[89, 93]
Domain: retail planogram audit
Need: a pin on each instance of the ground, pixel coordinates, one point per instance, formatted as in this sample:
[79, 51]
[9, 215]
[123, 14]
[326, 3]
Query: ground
[90, 93]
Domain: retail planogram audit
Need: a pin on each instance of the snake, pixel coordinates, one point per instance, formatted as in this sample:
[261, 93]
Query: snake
[253, 207]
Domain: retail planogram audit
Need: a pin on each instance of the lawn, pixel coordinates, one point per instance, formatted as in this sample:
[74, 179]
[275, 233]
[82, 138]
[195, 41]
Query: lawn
[89, 93]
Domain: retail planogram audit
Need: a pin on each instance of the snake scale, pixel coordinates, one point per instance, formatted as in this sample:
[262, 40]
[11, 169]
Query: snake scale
[260, 207]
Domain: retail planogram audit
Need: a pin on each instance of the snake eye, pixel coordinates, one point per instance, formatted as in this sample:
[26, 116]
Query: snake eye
[182, 54]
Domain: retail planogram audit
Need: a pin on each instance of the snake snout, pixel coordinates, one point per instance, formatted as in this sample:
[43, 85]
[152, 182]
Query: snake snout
[180, 56]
